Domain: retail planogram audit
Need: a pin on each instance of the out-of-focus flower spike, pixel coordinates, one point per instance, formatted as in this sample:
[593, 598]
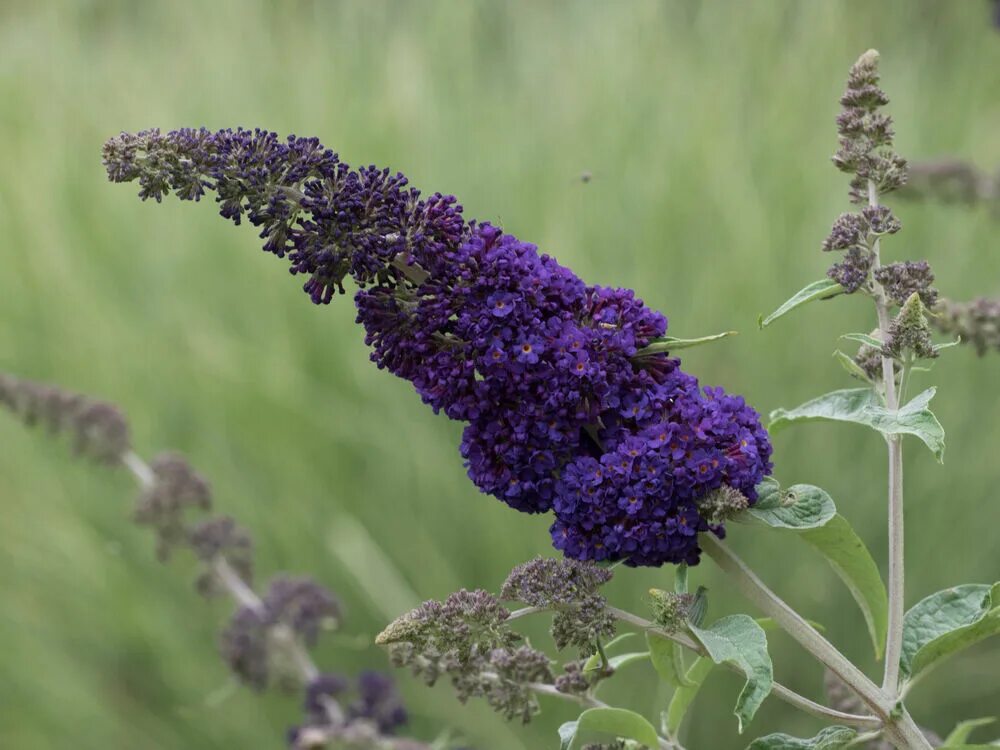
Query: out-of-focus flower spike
[98, 430]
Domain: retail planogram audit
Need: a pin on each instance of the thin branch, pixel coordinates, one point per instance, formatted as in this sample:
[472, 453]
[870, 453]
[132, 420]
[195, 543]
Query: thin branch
[899, 727]
[780, 691]
[244, 596]
[525, 611]
[793, 623]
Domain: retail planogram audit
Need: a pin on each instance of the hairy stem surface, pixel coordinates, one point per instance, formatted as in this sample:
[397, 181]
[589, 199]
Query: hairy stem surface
[894, 636]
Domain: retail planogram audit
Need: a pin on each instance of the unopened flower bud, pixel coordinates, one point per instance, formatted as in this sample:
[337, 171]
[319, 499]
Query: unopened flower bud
[853, 271]
[670, 610]
[573, 681]
[721, 504]
[584, 624]
[909, 331]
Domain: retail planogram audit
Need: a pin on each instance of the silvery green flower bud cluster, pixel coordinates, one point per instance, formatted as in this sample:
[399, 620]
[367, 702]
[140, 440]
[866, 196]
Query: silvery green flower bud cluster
[670, 610]
[865, 153]
[467, 639]
[910, 334]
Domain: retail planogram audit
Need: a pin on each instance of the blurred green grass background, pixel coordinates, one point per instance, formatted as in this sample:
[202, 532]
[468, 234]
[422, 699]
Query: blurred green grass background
[707, 129]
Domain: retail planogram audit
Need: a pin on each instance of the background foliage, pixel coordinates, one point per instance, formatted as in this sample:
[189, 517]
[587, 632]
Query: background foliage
[707, 131]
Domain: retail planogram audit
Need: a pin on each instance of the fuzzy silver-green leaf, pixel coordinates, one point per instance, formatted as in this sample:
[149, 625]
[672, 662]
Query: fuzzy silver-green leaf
[862, 406]
[738, 639]
[947, 622]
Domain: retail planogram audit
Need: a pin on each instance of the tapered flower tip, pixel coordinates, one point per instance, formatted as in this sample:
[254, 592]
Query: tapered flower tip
[869, 59]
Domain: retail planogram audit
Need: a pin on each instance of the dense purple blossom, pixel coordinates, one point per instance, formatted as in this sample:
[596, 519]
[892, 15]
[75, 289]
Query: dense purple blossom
[561, 414]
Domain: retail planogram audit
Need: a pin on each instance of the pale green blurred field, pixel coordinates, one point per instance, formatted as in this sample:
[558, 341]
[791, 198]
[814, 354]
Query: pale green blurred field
[707, 129]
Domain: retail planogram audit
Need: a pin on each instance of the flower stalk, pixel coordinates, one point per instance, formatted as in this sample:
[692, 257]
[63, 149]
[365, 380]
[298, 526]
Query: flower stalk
[896, 584]
[780, 691]
[899, 727]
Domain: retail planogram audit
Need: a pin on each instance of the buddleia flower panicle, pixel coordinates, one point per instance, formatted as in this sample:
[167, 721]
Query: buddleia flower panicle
[866, 153]
[98, 430]
[561, 414]
[866, 134]
[976, 322]
[465, 620]
[584, 625]
[467, 639]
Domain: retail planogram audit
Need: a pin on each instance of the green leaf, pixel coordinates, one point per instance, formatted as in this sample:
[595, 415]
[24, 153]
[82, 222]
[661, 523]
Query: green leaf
[963, 729]
[830, 738]
[618, 639]
[822, 289]
[567, 733]
[851, 367]
[699, 607]
[672, 343]
[801, 506]
[947, 345]
[852, 561]
[685, 695]
[667, 659]
[946, 622]
[862, 406]
[617, 722]
[863, 338]
[623, 660]
[594, 661]
[809, 512]
[738, 639]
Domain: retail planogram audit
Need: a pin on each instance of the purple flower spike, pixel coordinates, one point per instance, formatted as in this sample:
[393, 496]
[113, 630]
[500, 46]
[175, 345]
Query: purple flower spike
[561, 416]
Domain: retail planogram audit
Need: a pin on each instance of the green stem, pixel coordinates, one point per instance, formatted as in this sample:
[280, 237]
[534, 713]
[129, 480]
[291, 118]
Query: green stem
[897, 582]
[780, 691]
[899, 727]
[754, 589]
